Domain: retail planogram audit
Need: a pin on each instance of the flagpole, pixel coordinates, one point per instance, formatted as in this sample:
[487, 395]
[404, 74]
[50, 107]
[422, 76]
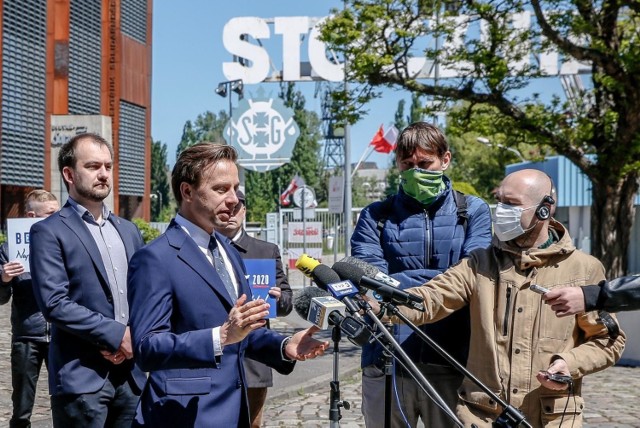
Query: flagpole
[364, 157]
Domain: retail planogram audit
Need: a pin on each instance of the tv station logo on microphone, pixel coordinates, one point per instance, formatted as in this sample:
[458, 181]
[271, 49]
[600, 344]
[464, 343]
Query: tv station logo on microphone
[342, 289]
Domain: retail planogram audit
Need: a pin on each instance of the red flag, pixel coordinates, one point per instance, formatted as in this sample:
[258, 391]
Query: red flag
[385, 142]
[296, 182]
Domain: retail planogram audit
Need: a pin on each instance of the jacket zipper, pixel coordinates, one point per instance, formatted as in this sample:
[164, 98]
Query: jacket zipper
[507, 311]
[427, 231]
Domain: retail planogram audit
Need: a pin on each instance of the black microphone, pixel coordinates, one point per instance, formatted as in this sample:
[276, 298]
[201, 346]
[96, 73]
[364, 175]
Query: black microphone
[327, 279]
[357, 276]
[371, 271]
[322, 310]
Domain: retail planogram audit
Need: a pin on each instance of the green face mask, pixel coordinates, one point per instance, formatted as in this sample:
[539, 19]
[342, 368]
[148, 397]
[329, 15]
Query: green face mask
[422, 185]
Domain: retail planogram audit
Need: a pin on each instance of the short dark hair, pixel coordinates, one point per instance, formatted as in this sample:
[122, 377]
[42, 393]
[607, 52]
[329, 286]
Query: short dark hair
[194, 160]
[67, 154]
[421, 135]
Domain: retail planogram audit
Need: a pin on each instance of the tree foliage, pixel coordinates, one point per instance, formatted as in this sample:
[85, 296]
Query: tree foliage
[207, 127]
[159, 181]
[494, 57]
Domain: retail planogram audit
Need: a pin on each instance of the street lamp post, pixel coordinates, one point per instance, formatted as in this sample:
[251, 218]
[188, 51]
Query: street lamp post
[225, 88]
[488, 143]
[158, 196]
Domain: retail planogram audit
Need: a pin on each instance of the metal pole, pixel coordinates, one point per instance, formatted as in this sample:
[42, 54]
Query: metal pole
[348, 215]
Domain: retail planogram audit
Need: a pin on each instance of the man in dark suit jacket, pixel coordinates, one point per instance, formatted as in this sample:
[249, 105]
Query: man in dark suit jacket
[259, 376]
[192, 317]
[79, 262]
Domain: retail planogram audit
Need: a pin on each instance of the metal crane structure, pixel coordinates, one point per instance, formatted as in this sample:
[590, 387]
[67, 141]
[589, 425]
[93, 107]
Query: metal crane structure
[332, 130]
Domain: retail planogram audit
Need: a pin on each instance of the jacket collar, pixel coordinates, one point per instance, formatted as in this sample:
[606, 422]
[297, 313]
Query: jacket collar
[192, 256]
[526, 258]
[69, 216]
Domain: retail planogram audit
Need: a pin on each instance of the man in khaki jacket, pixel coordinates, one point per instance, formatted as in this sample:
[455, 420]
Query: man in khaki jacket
[516, 339]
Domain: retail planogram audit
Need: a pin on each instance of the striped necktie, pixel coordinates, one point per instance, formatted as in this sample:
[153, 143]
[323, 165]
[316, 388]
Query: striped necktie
[223, 273]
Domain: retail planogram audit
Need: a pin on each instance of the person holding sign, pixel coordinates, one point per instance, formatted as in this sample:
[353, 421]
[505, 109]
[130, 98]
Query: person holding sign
[267, 279]
[29, 330]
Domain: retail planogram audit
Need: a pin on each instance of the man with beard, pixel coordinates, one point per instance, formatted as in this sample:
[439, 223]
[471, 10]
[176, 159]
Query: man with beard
[79, 260]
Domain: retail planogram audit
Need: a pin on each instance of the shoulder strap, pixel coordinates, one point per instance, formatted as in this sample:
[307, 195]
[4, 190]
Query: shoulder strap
[461, 204]
[385, 210]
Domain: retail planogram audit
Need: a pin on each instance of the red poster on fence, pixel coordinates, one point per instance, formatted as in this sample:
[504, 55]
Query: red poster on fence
[295, 253]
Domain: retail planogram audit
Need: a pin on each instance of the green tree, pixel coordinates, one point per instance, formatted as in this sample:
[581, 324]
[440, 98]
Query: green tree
[207, 127]
[160, 187]
[148, 232]
[602, 120]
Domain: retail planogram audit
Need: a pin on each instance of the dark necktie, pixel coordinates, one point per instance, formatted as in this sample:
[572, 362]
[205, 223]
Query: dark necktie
[218, 263]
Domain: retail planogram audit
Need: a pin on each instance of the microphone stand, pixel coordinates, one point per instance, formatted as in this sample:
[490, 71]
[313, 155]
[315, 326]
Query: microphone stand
[410, 366]
[510, 416]
[334, 396]
[388, 381]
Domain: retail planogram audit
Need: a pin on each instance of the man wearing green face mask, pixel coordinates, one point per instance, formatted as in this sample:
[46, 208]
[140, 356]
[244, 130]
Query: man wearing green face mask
[413, 236]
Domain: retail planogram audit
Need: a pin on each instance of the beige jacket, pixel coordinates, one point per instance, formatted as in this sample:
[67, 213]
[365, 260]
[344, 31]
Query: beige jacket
[514, 334]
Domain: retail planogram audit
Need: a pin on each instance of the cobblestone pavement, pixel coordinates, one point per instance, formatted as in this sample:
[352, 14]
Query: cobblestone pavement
[611, 396]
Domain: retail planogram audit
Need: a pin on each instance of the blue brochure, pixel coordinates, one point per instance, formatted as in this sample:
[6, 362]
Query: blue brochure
[261, 275]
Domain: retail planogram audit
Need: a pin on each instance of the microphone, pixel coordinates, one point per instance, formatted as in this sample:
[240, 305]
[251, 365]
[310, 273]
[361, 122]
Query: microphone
[322, 310]
[319, 307]
[395, 295]
[327, 279]
[371, 271]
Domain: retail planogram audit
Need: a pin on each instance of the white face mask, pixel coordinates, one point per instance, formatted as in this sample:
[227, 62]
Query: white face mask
[507, 221]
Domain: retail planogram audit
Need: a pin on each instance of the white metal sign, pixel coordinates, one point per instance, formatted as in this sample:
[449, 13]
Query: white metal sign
[310, 231]
[336, 194]
[324, 66]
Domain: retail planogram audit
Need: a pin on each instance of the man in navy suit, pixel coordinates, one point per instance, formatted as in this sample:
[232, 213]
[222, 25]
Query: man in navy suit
[258, 376]
[79, 260]
[192, 316]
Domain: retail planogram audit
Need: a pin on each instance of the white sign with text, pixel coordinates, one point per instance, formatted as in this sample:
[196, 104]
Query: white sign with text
[18, 239]
[298, 230]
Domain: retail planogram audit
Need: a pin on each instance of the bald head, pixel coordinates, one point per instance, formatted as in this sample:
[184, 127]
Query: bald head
[525, 188]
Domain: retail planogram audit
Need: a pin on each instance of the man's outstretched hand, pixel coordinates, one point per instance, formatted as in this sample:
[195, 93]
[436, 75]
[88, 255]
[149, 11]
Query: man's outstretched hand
[303, 346]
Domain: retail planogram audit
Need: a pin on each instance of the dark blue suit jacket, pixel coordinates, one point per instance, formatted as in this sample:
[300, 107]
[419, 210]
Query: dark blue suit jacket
[176, 298]
[71, 287]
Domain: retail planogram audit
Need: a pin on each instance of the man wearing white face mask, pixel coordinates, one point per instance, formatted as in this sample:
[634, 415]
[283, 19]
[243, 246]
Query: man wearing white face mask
[516, 339]
[413, 236]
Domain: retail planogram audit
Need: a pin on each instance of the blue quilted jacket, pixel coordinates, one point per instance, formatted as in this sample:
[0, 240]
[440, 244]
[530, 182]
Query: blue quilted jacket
[416, 245]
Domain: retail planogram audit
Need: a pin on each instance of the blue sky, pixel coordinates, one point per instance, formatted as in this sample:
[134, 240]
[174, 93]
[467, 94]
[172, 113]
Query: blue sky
[187, 66]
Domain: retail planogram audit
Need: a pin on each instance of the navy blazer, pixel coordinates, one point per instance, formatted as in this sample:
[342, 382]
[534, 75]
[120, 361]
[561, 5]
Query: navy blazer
[71, 287]
[176, 298]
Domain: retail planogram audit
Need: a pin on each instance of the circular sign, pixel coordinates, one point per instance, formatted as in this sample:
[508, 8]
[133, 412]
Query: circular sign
[304, 196]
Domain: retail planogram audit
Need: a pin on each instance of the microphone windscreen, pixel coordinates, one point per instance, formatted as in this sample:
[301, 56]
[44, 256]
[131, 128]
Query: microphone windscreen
[368, 269]
[348, 271]
[324, 275]
[306, 264]
[302, 299]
